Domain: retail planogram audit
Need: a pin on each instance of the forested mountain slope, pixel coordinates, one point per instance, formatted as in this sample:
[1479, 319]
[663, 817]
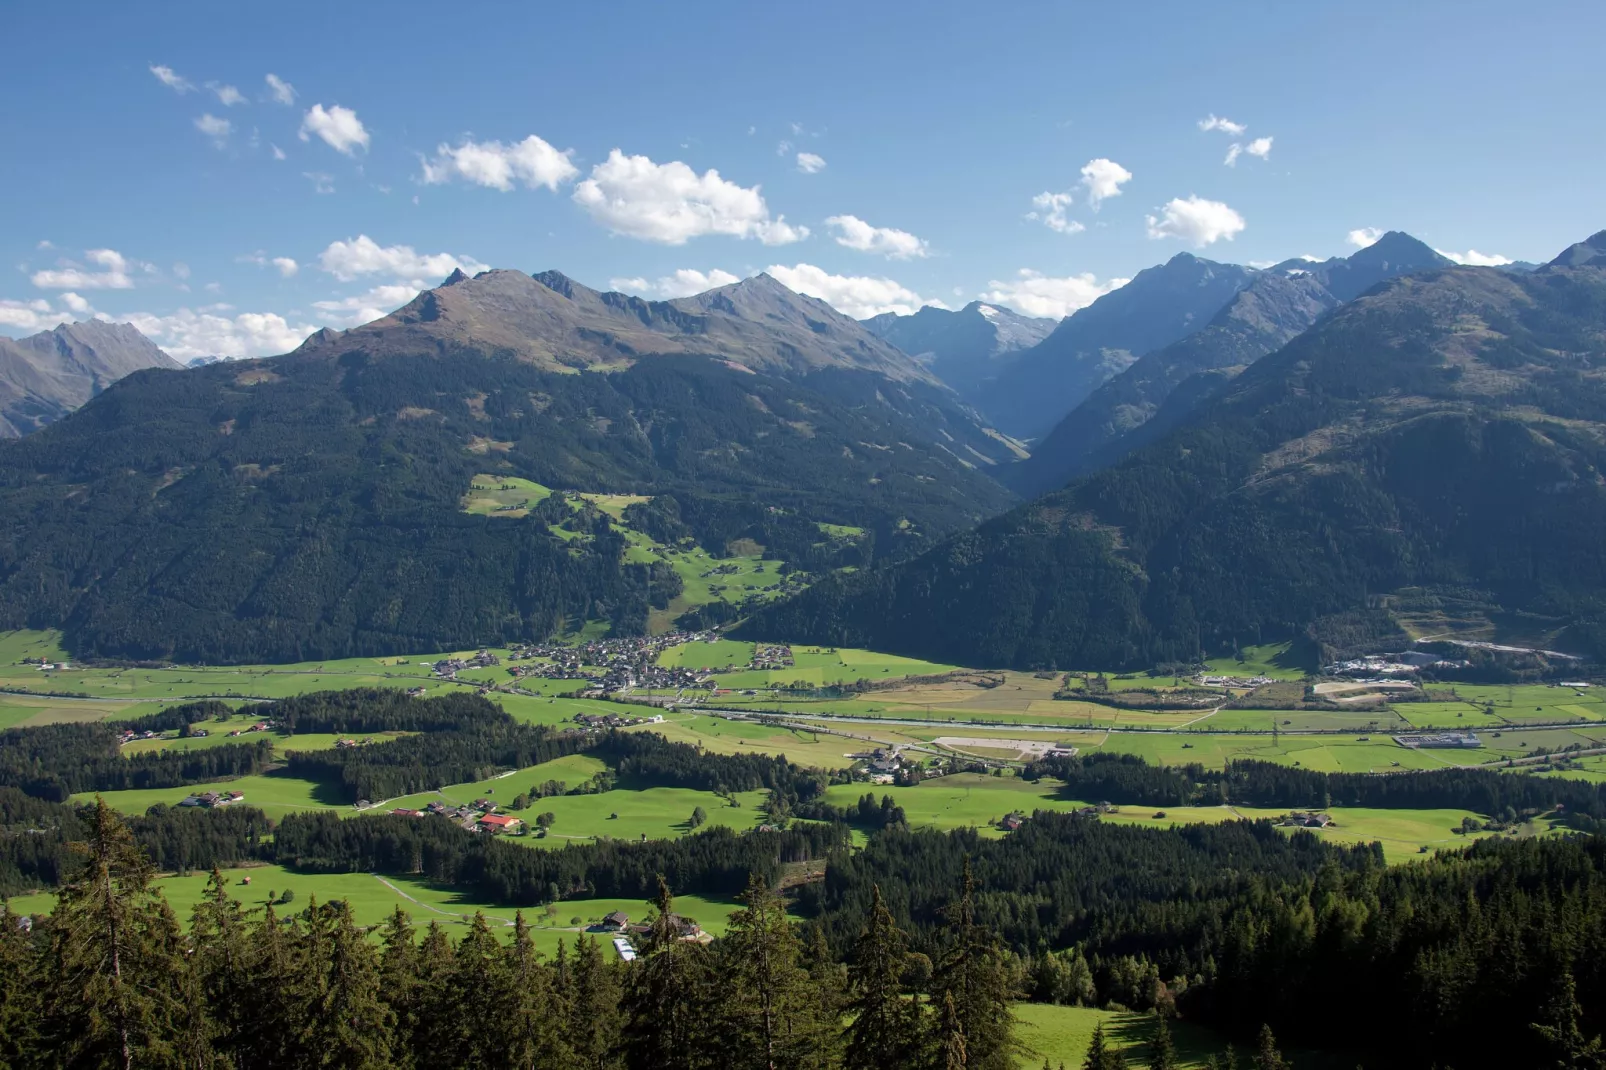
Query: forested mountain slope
[1447, 429]
[1160, 305]
[1159, 389]
[47, 375]
[310, 505]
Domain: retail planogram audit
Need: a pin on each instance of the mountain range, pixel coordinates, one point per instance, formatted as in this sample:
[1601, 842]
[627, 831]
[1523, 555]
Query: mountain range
[1161, 387]
[1438, 441]
[967, 348]
[1160, 305]
[311, 505]
[47, 375]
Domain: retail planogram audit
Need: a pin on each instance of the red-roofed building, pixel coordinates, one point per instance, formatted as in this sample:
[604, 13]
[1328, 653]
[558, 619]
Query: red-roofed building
[500, 823]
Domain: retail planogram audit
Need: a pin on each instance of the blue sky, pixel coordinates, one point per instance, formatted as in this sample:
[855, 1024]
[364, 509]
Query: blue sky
[1030, 154]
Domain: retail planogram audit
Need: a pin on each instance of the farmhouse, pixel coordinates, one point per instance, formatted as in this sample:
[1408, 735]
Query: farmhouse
[212, 799]
[1012, 822]
[616, 922]
[500, 823]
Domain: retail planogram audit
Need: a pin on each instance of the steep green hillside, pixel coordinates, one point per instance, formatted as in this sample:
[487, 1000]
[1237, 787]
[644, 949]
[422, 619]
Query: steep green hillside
[310, 506]
[1448, 430]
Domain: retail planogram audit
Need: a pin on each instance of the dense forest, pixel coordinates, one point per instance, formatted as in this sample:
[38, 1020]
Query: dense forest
[113, 978]
[1381, 449]
[310, 507]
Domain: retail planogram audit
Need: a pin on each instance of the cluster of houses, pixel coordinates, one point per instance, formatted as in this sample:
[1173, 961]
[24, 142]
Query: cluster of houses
[213, 799]
[1447, 740]
[478, 816]
[614, 720]
[1309, 819]
[260, 726]
[128, 735]
[619, 922]
[613, 664]
[1246, 682]
[1404, 663]
[448, 668]
[768, 656]
[347, 744]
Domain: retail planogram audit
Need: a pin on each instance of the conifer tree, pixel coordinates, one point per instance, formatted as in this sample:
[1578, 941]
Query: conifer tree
[437, 1026]
[400, 986]
[118, 956]
[22, 1003]
[593, 1008]
[1100, 1055]
[973, 972]
[1267, 1057]
[951, 1033]
[884, 1027]
[220, 959]
[666, 1000]
[1162, 1050]
[771, 1012]
[479, 969]
[347, 1024]
[533, 1037]
[1563, 1039]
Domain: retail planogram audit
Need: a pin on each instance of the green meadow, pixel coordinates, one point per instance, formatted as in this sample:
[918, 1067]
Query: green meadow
[372, 900]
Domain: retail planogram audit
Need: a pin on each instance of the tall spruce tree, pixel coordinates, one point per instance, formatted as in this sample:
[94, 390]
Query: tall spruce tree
[771, 1013]
[884, 1026]
[119, 956]
[1162, 1049]
[973, 971]
[593, 1008]
[22, 992]
[1267, 1056]
[667, 1001]
[1100, 1055]
[400, 986]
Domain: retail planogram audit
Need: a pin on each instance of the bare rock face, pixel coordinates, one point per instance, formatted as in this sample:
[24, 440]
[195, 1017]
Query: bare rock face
[47, 375]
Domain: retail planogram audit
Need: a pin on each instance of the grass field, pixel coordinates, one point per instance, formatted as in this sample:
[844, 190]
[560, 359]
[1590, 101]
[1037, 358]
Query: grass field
[372, 900]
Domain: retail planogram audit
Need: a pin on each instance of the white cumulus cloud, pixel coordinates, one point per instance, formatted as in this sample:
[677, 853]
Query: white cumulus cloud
[671, 203]
[809, 163]
[1032, 293]
[112, 273]
[339, 128]
[172, 79]
[1196, 221]
[1226, 126]
[33, 316]
[1364, 236]
[683, 283]
[1050, 208]
[1261, 147]
[279, 90]
[227, 95]
[367, 307]
[213, 127]
[1473, 258]
[285, 266]
[855, 233]
[858, 296]
[532, 162]
[211, 332]
[359, 256]
[1103, 179]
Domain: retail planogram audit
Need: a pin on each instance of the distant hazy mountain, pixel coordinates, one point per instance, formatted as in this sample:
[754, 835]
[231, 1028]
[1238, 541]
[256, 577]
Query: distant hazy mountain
[47, 375]
[553, 322]
[1440, 434]
[1160, 305]
[310, 505]
[201, 362]
[965, 348]
[1151, 396]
